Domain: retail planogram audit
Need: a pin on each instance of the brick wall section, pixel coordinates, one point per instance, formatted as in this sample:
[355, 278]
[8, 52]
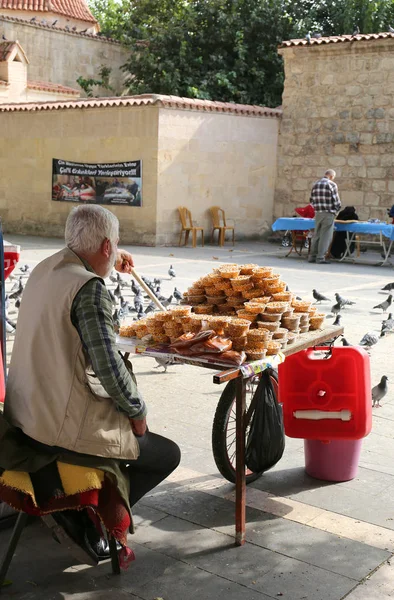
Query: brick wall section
[338, 112]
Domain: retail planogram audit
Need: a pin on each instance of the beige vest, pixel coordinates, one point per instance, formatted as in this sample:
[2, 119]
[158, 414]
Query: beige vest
[48, 395]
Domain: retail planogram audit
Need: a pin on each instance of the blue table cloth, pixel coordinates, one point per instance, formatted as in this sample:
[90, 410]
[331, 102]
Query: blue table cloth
[299, 224]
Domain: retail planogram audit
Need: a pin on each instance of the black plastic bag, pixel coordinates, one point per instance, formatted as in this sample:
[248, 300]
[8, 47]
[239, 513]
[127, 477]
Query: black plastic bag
[266, 440]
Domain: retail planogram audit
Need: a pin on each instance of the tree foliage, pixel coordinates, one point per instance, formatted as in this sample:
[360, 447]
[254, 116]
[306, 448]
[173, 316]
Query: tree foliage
[224, 49]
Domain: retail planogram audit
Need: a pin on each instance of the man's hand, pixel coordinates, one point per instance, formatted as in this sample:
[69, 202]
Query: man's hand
[138, 426]
[124, 262]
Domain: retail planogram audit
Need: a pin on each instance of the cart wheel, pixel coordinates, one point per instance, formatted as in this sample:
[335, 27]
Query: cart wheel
[223, 429]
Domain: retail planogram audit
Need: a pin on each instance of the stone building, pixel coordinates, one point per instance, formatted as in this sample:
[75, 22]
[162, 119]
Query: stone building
[338, 112]
[59, 55]
[15, 86]
[194, 153]
[71, 14]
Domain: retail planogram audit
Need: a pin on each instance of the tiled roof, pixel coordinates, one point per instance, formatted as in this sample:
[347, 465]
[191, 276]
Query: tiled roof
[335, 39]
[54, 88]
[77, 9]
[7, 47]
[149, 99]
[92, 36]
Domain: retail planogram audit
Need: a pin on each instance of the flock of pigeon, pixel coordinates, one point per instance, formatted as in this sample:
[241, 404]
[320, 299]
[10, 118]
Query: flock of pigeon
[14, 296]
[316, 35]
[35, 21]
[371, 338]
[138, 303]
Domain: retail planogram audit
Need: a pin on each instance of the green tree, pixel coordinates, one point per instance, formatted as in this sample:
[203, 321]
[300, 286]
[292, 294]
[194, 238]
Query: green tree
[224, 49]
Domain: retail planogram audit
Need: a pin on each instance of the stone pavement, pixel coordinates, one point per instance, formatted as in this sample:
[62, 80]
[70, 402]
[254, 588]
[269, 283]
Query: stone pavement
[306, 539]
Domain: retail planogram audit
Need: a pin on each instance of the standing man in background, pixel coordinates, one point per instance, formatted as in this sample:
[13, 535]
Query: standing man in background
[326, 202]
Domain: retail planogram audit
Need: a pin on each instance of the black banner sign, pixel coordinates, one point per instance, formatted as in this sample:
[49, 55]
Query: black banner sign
[106, 183]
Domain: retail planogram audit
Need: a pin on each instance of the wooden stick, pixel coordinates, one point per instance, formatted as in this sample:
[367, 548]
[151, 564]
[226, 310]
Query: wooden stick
[147, 290]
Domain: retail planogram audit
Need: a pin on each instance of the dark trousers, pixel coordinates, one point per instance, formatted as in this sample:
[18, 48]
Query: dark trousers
[158, 458]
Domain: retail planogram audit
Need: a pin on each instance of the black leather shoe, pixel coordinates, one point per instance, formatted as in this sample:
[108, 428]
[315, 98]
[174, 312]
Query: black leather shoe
[68, 529]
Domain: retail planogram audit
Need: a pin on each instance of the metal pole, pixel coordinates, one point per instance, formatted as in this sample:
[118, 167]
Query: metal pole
[240, 480]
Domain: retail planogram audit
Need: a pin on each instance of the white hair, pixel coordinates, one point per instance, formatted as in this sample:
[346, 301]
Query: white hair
[87, 226]
[330, 172]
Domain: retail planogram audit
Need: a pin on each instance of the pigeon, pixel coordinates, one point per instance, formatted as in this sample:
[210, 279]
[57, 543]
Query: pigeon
[337, 319]
[389, 322]
[116, 320]
[43, 22]
[319, 297]
[138, 304]
[379, 391]
[386, 304]
[391, 30]
[177, 295]
[135, 288]
[343, 301]
[336, 308]
[356, 31]
[113, 277]
[117, 291]
[316, 35]
[150, 308]
[18, 293]
[67, 28]
[384, 330]
[345, 342]
[74, 28]
[25, 269]
[171, 272]
[83, 31]
[166, 302]
[308, 37]
[369, 339]
[388, 287]
[164, 362]
[157, 281]
[54, 23]
[3, 38]
[33, 20]
[9, 326]
[140, 313]
[16, 285]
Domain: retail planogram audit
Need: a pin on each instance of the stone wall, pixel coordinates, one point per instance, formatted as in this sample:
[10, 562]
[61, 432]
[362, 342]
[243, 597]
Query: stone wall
[338, 112]
[225, 160]
[58, 56]
[30, 140]
[192, 157]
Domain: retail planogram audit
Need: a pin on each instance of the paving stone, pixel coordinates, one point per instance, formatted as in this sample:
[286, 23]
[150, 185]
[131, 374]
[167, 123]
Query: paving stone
[182, 582]
[296, 580]
[250, 565]
[328, 551]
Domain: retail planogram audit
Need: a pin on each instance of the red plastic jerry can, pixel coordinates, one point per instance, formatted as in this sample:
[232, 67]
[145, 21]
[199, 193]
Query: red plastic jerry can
[326, 394]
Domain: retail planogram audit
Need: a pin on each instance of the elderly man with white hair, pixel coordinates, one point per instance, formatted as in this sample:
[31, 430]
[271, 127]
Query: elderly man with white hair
[326, 202]
[69, 390]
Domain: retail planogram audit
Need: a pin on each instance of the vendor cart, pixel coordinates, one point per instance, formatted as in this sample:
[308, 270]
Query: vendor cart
[230, 426]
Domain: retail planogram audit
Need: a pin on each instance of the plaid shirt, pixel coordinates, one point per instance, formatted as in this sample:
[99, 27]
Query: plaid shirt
[91, 315]
[325, 197]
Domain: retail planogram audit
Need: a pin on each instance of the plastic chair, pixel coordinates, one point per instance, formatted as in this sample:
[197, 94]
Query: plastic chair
[187, 226]
[219, 217]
